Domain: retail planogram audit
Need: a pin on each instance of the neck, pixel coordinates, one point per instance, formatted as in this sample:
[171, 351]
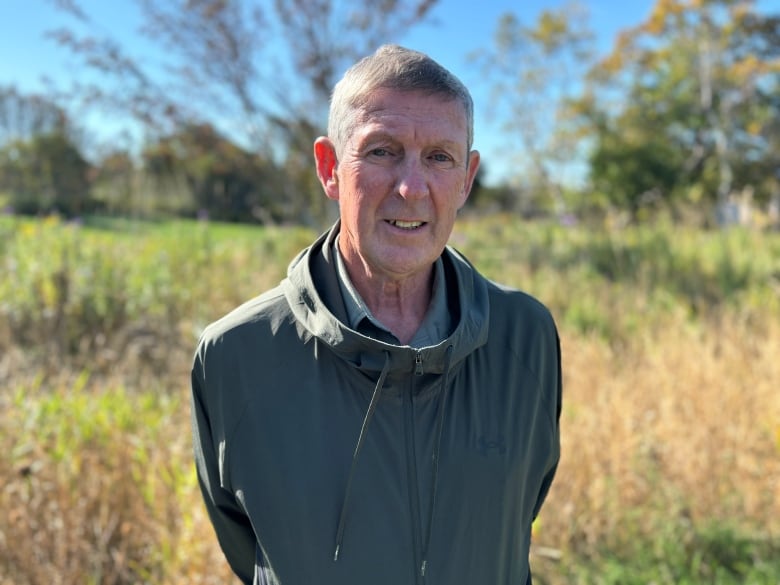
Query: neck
[400, 305]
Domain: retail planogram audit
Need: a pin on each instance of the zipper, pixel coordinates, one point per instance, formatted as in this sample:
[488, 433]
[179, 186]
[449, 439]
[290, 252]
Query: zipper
[411, 473]
[418, 364]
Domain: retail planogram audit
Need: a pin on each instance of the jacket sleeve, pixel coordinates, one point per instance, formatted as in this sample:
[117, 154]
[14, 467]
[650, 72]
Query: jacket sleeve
[234, 532]
[555, 386]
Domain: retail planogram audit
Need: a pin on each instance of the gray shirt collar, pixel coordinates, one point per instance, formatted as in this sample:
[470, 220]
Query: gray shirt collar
[436, 325]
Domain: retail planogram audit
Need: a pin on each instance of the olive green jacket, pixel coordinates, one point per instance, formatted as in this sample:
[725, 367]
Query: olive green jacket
[326, 457]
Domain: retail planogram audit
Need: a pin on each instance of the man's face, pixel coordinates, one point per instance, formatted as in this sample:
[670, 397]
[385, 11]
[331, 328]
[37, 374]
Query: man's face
[404, 173]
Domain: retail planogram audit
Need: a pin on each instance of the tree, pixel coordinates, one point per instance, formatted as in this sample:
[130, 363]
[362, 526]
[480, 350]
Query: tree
[42, 168]
[23, 116]
[536, 71]
[634, 171]
[197, 170]
[258, 71]
[45, 174]
[114, 184]
[698, 80]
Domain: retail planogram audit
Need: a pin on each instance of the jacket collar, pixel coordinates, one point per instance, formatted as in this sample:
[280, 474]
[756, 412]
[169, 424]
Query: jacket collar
[312, 291]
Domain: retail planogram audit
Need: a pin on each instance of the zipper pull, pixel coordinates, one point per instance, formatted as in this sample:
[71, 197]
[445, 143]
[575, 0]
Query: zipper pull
[418, 367]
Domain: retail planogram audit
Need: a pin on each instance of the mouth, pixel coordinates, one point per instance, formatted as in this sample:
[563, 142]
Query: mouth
[406, 225]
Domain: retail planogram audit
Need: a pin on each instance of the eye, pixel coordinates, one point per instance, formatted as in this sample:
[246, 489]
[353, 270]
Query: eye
[441, 157]
[379, 152]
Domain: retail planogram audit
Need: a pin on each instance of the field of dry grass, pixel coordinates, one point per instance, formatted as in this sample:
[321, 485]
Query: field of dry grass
[671, 425]
[667, 439]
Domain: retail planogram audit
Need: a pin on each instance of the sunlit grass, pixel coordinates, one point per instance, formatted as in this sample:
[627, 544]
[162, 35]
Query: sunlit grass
[671, 424]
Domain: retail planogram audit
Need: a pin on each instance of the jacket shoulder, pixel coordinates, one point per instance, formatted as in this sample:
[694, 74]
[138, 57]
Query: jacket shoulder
[269, 306]
[515, 302]
[524, 326]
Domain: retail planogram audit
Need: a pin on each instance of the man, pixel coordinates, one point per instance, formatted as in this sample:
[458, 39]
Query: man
[386, 415]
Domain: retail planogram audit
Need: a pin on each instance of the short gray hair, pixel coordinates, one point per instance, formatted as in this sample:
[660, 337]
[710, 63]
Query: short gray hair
[395, 68]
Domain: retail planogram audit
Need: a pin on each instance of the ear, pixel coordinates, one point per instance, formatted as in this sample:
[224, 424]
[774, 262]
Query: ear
[471, 173]
[327, 166]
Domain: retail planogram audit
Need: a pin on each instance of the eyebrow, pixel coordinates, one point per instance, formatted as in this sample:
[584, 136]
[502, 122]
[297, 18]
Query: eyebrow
[379, 135]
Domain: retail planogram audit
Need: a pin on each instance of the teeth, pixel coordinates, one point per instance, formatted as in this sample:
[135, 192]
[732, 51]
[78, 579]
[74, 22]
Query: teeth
[406, 224]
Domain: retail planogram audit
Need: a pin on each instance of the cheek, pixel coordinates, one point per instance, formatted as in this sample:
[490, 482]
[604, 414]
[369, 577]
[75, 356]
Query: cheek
[369, 189]
[370, 180]
[453, 195]
[356, 204]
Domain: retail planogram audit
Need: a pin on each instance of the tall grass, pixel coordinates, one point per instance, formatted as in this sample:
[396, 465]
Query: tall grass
[671, 425]
[97, 489]
[126, 293]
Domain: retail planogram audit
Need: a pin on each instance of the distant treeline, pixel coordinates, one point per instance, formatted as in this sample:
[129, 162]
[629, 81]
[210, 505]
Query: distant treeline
[681, 117]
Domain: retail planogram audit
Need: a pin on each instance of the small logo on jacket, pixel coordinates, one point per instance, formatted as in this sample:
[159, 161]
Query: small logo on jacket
[492, 446]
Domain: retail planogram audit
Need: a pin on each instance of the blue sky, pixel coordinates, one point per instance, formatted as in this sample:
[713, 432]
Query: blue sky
[457, 28]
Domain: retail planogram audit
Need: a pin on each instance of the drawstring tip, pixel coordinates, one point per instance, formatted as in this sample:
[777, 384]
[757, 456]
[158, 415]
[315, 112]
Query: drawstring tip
[422, 568]
[336, 554]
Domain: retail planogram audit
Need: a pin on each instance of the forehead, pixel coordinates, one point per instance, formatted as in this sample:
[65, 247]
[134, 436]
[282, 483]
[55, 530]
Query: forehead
[422, 113]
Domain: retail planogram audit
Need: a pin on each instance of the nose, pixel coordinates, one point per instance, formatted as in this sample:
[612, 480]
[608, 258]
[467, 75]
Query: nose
[413, 181]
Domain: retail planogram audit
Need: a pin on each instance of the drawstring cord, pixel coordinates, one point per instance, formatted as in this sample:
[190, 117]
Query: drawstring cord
[434, 461]
[369, 414]
[435, 457]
